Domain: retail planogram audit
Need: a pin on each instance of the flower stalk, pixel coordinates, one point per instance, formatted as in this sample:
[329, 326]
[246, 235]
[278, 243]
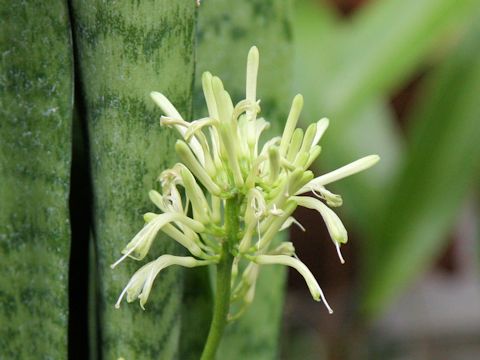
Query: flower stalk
[223, 281]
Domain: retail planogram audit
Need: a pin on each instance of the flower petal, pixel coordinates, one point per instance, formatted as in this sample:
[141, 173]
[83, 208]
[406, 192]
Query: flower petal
[322, 126]
[141, 282]
[291, 124]
[335, 227]
[312, 283]
[291, 220]
[340, 173]
[191, 162]
[165, 104]
[139, 246]
[171, 112]
[252, 71]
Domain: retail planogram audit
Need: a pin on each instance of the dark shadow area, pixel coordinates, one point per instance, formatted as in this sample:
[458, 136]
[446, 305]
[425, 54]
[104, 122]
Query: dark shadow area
[79, 204]
[83, 317]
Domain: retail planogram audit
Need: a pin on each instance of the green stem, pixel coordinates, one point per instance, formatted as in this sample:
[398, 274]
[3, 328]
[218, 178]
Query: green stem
[224, 275]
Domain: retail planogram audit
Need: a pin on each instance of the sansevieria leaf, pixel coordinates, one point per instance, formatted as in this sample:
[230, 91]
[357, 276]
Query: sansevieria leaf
[126, 49]
[35, 145]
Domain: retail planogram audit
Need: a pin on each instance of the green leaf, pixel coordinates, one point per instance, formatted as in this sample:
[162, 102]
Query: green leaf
[126, 50]
[442, 161]
[36, 111]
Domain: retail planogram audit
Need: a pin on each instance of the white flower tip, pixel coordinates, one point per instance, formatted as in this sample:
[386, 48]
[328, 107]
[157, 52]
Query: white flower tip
[207, 75]
[217, 85]
[300, 226]
[323, 122]
[298, 101]
[164, 104]
[147, 217]
[360, 165]
[153, 193]
[322, 126]
[156, 198]
[319, 296]
[365, 163]
[253, 54]
[337, 245]
[373, 159]
[117, 304]
[338, 234]
[157, 97]
[114, 265]
[182, 147]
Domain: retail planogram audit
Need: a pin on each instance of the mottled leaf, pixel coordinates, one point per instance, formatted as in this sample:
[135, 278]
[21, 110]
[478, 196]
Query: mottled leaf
[35, 146]
[125, 50]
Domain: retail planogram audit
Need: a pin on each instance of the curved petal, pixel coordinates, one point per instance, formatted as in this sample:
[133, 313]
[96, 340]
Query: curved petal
[312, 283]
[335, 227]
[139, 246]
[141, 282]
[340, 173]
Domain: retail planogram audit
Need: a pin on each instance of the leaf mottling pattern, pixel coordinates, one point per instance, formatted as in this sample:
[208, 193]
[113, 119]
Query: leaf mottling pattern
[125, 50]
[35, 146]
[226, 31]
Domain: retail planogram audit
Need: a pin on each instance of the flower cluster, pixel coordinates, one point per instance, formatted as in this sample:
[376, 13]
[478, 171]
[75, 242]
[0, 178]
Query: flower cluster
[222, 154]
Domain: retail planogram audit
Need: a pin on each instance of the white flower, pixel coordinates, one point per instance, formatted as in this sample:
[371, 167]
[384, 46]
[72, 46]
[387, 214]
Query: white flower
[222, 153]
[141, 282]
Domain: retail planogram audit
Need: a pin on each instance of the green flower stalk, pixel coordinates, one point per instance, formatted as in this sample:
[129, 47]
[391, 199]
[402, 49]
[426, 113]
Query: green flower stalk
[230, 196]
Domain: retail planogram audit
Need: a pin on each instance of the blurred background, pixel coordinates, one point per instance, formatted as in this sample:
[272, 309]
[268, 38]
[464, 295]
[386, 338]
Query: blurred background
[400, 79]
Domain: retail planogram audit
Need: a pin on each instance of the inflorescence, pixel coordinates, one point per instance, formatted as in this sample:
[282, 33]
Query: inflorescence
[222, 158]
